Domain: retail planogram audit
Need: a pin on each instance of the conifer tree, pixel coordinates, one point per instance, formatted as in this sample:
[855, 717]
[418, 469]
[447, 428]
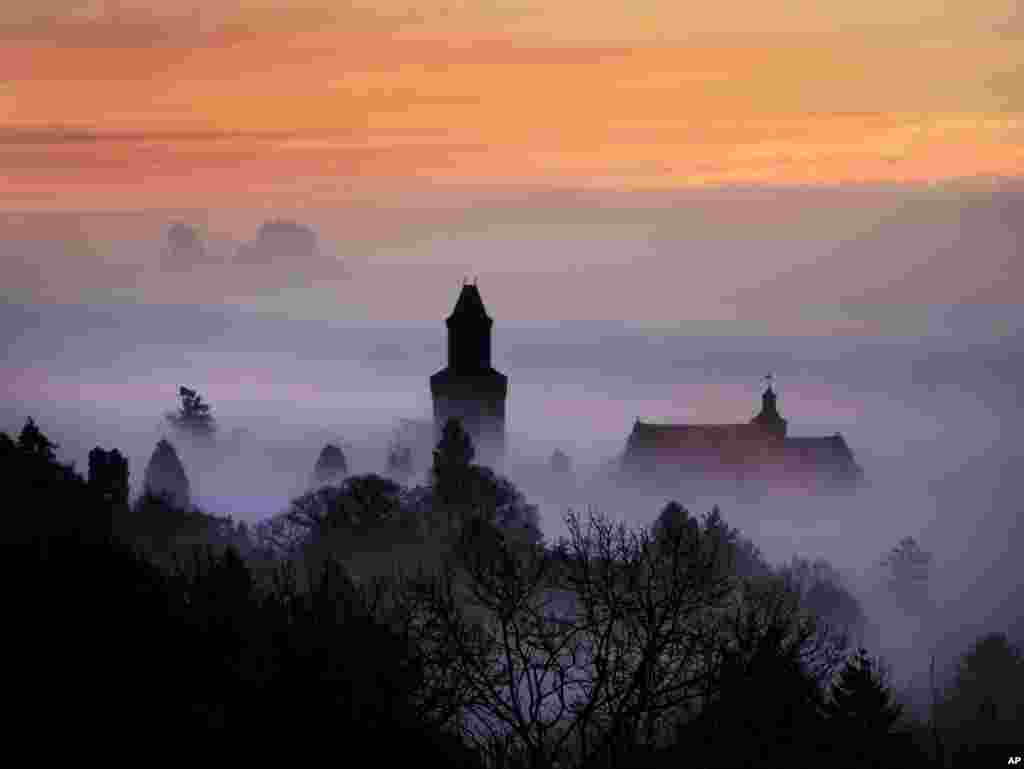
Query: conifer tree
[34, 443]
[165, 476]
[861, 701]
[194, 417]
[331, 466]
[108, 475]
[455, 449]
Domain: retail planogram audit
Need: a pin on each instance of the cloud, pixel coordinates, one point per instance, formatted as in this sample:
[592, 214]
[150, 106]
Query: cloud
[42, 253]
[289, 250]
[184, 248]
[149, 23]
[59, 134]
[279, 240]
[282, 242]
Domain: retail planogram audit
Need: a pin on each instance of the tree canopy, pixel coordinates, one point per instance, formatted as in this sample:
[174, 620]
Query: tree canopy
[908, 574]
[331, 466]
[194, 417]
[32, 442]
[358, 505]
[988, 682]
[862, 699]
[165, 476]
[452, 458]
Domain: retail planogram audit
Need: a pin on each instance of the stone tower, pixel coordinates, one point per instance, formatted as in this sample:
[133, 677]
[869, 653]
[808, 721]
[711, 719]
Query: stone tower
[469, 388]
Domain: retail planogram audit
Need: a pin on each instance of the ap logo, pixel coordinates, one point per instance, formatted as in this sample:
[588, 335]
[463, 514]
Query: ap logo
[1014, 761]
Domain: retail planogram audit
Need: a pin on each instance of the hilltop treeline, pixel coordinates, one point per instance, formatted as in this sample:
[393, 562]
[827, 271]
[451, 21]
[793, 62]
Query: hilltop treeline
[665, 646]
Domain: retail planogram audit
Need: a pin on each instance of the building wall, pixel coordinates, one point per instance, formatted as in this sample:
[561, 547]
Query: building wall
[735, 454]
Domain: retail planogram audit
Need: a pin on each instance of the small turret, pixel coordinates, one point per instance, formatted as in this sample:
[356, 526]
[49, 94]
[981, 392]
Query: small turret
[769, 417]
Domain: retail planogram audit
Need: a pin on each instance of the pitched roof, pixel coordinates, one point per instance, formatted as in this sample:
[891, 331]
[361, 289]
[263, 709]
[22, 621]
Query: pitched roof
[662, 437]
[734, 446]
[830, 450]
[469, 304]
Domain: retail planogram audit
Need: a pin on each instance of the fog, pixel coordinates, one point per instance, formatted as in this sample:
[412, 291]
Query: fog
[933, 422]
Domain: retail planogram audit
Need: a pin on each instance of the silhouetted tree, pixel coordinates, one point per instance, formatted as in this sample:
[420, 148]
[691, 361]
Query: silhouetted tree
[165, 476]
[8, 448]
[450, 474]
[909, 573]
[453, 454]
[331, 466]
[108, 475]
[234, 655]
[824, 592]
[35, 480]
[33, 443]
[861, 702]
[481, 542]
[280, 537]
[158, 524]
[986, 697]
[497, 500]
[366, 502]
[359, 506]
[598, 676]
[674, 518]
[462, 491]
[763, 643]
[400, 461]
[194, 417]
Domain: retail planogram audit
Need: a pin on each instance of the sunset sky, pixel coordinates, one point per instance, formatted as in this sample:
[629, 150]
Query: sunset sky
[802, 167]
[276, 203]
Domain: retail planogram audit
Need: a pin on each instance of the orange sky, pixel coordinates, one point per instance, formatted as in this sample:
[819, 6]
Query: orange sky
[330, 101]
[519, 138]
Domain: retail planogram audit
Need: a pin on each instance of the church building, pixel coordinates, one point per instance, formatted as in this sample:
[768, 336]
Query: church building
[750, 455]
[468, 387]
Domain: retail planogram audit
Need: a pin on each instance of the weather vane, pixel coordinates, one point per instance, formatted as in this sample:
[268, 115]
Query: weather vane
[768, 378]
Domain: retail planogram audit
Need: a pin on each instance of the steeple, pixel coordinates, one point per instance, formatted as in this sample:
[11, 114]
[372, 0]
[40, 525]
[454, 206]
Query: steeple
[769, 417]
[469, 332]
[469, 389]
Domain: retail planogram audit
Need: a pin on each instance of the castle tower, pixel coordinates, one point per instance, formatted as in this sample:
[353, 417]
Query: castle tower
[469, 388]
[769, 418]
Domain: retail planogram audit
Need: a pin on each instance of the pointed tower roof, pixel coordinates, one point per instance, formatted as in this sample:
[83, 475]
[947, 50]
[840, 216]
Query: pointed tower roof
[769, 415]
[769, 408]
[469, 304]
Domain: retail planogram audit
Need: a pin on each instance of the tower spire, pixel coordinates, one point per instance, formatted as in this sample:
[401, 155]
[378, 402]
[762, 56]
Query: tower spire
[469, 388]
[769, 416]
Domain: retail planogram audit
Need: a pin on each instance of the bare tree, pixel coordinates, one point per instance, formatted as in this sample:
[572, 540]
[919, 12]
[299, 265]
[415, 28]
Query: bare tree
[588, 654]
